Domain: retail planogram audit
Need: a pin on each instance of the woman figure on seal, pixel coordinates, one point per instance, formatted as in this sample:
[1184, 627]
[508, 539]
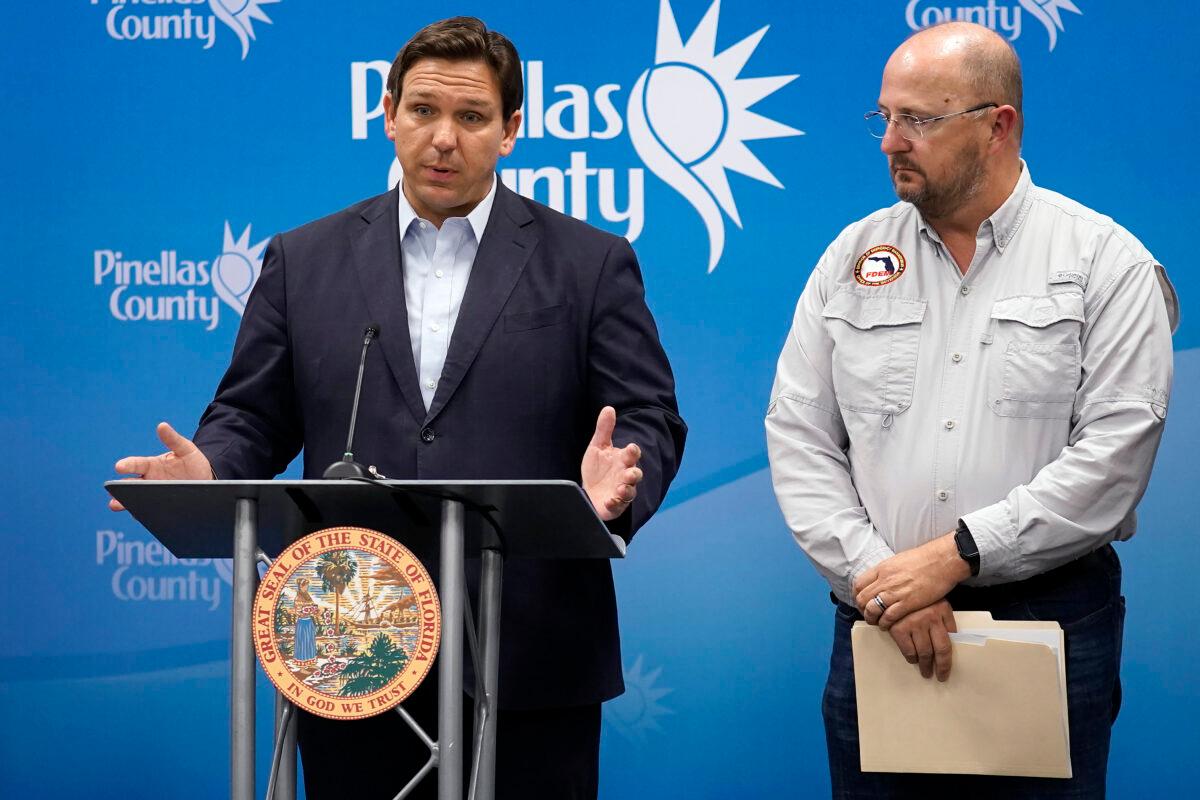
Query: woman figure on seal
[306, 627]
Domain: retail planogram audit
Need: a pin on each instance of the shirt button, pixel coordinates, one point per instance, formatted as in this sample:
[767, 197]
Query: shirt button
[423, 224]
[435, 327]
[949, 424]
[439, 273]
[427, 435]
[957, 357]
[430, 384]
[943, 494]
[965, 290]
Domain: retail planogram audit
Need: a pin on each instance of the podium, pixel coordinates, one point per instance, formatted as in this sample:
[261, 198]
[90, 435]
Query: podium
[446, 522]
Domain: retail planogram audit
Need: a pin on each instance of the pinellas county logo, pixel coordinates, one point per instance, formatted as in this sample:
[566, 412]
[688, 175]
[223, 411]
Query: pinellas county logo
[143, 571]
[168, 288]
[1004, 18]
[346, 623]
[136, 20]
[687, 115]
[689, 119]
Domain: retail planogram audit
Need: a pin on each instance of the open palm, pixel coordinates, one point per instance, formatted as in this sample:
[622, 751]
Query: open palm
[183, 461]
[610, 474]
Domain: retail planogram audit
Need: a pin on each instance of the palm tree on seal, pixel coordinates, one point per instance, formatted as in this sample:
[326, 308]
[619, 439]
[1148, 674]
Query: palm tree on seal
[373, 669]
[336, 569]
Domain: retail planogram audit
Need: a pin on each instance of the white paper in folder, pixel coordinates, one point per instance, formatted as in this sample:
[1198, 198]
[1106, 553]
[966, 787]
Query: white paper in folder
[1003, 710]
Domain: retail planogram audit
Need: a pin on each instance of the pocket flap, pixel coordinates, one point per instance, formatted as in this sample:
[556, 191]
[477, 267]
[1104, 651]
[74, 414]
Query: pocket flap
[1040, 312]
[537, 318]
[865, 313]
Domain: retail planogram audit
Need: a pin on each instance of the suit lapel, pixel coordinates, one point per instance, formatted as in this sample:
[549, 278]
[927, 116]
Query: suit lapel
[381, 272]
[508, 241]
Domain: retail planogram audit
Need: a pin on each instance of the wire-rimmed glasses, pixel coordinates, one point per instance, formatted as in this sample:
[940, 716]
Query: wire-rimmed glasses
[909, 126]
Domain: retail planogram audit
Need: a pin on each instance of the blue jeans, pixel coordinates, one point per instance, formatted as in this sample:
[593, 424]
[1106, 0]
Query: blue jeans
[1085, 597]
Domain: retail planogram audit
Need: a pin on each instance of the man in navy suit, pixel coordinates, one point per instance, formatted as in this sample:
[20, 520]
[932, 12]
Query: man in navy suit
[516, 343]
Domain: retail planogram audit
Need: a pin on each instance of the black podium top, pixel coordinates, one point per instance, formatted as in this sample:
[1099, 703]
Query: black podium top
[531, 519]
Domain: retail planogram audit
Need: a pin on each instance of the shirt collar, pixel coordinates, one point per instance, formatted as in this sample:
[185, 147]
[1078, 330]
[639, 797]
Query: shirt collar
[1009, 216]
[477, 218]
[1006, 219]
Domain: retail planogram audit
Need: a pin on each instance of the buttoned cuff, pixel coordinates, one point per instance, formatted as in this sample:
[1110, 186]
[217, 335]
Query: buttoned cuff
[995, 534]
[877, 556]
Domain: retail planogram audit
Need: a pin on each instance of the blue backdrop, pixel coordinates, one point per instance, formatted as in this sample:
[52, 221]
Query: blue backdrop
[149, 149]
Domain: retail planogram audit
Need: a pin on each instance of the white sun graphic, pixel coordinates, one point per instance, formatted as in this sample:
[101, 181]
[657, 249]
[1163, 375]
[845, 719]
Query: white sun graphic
[239, 15]
[637, 711]
[689, 118]
[235, 271]
[1047, 13]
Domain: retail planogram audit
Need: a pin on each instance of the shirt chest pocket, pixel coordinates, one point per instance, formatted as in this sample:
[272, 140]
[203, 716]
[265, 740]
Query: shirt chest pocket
[875, 343]
[1036, 361]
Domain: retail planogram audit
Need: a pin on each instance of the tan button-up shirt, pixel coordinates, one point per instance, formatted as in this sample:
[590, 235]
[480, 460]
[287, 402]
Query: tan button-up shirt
[1026, 397]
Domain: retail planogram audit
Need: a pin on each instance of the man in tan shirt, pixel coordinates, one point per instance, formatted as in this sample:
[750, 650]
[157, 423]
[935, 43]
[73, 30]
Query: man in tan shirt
[969, 403]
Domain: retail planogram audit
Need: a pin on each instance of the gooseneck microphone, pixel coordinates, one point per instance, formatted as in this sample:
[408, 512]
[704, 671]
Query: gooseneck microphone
[348, 467]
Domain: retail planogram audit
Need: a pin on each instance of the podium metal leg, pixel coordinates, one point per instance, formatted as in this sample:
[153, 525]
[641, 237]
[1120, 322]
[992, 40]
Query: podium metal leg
[241, 717]
[450, 694]
[282, 784]
[484, 775]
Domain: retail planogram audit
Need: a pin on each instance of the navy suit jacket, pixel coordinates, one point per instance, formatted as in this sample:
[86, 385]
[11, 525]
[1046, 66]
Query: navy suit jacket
[553, 327]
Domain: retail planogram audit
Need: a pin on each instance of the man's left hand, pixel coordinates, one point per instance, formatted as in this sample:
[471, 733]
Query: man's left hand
[910, 580]
[610, 474]
[924, 639]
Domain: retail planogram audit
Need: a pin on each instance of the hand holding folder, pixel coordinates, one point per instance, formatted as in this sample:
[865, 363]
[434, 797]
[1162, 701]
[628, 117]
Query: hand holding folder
[1003, 710]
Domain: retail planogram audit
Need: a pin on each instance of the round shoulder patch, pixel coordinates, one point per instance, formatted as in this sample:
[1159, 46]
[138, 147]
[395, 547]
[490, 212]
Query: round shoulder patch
[346, 623]
[880, 265]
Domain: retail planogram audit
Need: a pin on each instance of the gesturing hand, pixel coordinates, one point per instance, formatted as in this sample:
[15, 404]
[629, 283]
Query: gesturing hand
[924, 638]
[910, 580]
[183, 461]
[610, 474]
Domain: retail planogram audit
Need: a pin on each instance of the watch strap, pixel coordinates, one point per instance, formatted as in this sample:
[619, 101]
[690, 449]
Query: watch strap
[967, 549]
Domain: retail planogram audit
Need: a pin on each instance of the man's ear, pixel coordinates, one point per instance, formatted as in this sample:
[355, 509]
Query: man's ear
[389, 116]
[1004, 126]
[510, 133]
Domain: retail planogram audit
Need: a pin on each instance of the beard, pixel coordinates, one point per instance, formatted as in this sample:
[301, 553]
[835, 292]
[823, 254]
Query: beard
[936, 200]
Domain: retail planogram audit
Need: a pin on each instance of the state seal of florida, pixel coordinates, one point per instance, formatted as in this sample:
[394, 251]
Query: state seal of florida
[346, 623]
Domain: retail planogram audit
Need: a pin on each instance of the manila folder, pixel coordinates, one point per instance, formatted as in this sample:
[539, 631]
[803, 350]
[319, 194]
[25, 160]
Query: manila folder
[1002, 711]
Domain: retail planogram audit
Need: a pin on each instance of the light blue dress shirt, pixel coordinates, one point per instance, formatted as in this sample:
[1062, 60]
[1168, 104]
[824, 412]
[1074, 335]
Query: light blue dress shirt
[1026, 397]
[437, 266]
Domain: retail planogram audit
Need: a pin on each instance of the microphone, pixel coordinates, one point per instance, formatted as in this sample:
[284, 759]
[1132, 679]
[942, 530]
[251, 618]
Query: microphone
[348, 467]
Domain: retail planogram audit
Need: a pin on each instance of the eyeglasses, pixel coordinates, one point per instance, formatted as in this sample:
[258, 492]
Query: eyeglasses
[908, 126]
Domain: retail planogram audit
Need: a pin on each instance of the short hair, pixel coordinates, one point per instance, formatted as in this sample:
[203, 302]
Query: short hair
[990, 65]
[463, 39]
[993, 71]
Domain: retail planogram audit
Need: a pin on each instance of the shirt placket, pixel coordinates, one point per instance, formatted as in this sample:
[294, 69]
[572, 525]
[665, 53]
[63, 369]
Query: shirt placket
[958, 369]
[437, 308]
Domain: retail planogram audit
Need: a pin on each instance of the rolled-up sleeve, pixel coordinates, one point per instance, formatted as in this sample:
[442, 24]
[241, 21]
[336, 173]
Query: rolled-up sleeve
[1086, 496]
[806, 444]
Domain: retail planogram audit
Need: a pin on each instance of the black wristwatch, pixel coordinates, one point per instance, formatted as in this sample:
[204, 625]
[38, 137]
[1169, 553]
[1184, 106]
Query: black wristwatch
[967, 549]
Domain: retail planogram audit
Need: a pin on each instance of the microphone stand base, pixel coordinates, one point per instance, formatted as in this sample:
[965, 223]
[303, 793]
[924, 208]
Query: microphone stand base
[346, 469]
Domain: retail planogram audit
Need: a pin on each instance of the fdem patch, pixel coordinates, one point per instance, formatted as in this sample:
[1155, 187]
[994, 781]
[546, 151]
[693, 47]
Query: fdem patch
[879, 266]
